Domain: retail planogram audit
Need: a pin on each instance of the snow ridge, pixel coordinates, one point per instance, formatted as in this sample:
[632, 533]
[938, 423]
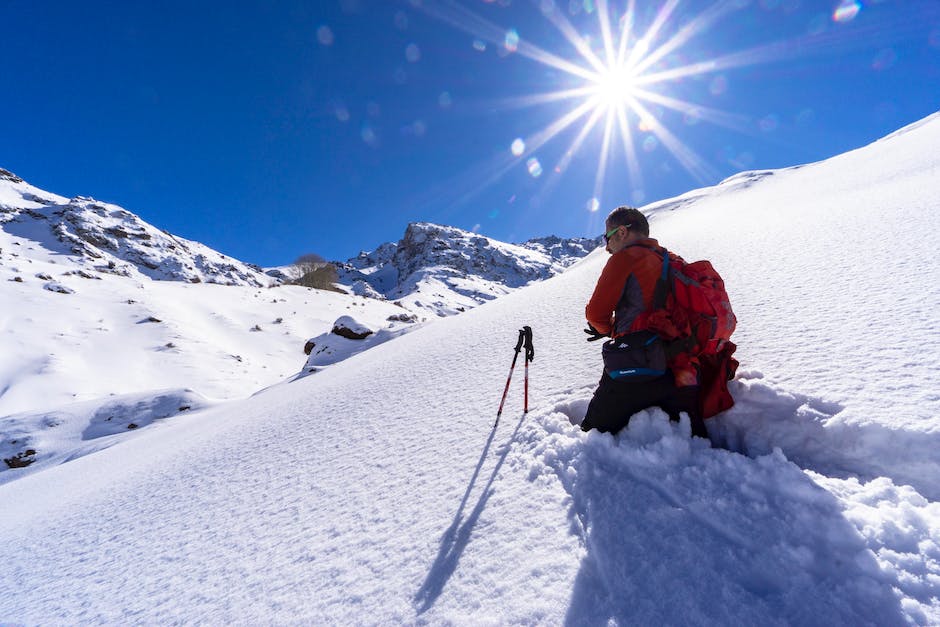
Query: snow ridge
[446, 270]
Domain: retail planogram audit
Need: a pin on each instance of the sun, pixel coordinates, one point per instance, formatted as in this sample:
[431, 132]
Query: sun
[619, 90]
[615, 87]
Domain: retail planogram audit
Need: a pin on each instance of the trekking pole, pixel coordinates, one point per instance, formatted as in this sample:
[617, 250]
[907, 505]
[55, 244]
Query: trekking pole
[529, 356]
[519, 343]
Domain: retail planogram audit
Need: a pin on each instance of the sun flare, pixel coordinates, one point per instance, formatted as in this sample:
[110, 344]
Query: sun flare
[620, 91]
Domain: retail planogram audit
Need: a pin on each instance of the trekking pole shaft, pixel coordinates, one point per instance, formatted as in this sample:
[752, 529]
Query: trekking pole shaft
[506, 389]
[526, 407]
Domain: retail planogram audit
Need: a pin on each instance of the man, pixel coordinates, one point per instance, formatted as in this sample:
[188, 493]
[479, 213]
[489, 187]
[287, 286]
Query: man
[622, 300]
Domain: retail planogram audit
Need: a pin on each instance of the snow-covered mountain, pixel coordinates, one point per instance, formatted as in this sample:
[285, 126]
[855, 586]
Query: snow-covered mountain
[445, 270]
[106, 238]
[380, 491]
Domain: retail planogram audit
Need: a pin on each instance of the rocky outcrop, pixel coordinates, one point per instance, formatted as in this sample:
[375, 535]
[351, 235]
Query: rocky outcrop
[457, 268]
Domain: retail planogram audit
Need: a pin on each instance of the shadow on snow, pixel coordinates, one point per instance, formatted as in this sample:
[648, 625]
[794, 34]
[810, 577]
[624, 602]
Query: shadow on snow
[457, 536]
[676, 532]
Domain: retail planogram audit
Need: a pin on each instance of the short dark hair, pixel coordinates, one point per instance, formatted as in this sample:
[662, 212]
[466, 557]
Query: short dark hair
[630, 218]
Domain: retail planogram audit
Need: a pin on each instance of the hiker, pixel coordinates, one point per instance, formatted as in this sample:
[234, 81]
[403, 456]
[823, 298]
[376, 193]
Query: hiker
[636, 373]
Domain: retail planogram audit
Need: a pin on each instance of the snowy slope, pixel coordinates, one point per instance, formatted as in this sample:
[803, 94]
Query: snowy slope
[378, 492]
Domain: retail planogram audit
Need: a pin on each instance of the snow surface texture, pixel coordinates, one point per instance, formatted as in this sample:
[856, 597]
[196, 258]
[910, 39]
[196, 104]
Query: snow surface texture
[379, 491]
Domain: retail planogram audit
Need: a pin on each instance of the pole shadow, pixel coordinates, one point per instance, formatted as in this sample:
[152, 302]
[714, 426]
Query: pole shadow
[457, 536]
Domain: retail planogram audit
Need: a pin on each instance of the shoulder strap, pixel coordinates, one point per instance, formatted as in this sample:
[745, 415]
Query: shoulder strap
[662, 284]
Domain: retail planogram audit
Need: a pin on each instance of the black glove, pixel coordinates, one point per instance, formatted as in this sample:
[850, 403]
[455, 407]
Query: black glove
[594, 333]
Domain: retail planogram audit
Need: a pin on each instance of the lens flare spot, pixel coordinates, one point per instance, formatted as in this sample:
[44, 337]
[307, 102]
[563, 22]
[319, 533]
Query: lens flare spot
[444, 100]
[638, 196]
[846, 11]
[420, 128]
[534, 167]
[885, 60]
[593, 205]
[650, 143]
[511, 40]
[325, 35]
[368, 135]
[517, 147]
[341, 113]
[645, 125]
[547, 7]
[718, 85]
[769, 123]
[691, 118]
[479, 45]
[413, 53]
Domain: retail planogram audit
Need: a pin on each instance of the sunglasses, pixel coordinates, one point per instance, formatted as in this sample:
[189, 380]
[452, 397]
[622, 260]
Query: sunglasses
[611, 232]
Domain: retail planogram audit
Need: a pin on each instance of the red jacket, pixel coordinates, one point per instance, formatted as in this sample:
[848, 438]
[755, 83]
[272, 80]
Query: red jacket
[624, 291]
[625, 288]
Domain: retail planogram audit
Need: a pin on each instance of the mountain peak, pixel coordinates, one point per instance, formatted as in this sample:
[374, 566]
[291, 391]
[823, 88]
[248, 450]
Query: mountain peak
[445, 269]
[6, 175]
[107, 238]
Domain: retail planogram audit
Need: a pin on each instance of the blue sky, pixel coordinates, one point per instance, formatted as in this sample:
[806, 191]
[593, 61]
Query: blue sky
[272, 129]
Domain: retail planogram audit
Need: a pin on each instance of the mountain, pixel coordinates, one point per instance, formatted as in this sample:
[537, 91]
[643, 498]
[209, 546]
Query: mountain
[445, 270]
[433, 269]
[107, 316]
[109, 239]
[380, 490]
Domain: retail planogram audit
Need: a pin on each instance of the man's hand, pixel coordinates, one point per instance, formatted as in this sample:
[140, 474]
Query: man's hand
[593, 333]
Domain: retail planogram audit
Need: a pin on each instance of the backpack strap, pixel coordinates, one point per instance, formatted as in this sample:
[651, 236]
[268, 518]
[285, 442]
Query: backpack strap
[661, 292]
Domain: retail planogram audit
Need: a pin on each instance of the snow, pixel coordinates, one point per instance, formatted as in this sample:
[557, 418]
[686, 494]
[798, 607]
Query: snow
[379, 491]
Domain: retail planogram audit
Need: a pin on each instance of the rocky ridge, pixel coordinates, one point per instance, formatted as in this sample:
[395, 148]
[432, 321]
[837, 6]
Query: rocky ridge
[109, 239]
[446, 270]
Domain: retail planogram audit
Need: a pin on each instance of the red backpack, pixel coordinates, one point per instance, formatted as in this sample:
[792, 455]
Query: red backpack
[692, 314]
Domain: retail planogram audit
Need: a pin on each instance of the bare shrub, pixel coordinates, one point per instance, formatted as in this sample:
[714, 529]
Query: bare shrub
[314, 271]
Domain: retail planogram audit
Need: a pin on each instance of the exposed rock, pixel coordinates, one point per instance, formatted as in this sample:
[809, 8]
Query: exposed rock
[23, 458]
[349, 327]
[403, 317]
[6, 175]
[52, 286]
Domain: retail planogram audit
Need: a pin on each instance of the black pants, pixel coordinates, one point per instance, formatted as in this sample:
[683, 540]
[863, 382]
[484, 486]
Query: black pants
[615, 402]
